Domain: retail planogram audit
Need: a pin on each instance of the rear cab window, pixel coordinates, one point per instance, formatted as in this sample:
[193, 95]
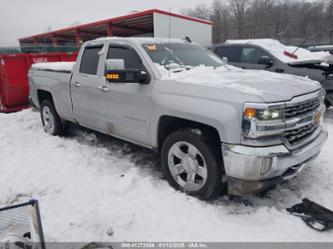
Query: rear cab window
[90, 60]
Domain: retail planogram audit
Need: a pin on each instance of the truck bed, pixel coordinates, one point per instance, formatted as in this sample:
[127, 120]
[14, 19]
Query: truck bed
[65, 67]
[54, 78]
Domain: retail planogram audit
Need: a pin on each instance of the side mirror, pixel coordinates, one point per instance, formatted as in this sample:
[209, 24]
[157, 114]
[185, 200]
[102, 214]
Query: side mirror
[116, 73]
[115, 64]
[265, 60]
[127, 76]
[225, 60]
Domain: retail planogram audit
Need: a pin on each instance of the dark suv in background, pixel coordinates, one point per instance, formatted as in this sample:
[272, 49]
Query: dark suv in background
[247, 55]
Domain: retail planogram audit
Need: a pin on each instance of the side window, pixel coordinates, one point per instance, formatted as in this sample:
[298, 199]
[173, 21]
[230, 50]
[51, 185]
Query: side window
[131, 58]
[89, 61]
[232, 53]
[251, 55]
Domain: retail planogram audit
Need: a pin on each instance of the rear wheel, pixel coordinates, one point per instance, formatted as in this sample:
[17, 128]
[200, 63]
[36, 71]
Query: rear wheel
[191, 164]
[51, 121]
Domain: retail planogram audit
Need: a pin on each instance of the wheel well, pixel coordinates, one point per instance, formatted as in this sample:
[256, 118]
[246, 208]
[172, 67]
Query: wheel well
[44, 95]
[168, 124]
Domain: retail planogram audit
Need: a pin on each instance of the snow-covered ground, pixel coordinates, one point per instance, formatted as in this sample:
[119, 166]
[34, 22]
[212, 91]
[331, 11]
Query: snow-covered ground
[88, 184]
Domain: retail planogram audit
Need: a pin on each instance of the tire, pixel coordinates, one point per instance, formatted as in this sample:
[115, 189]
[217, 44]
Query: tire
[192, 164]
[51, 121]
[327, 103]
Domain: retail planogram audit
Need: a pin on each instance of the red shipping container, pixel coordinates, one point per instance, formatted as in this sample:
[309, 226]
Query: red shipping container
[14, 85]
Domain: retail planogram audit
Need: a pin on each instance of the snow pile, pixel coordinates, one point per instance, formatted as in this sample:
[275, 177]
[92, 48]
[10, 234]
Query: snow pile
[89, 185]
[143, 40]
[278, 50]
[255, 82]
[210, 76]
[54, 66]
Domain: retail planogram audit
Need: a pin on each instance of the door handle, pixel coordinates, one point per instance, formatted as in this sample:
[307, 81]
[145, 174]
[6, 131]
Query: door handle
[77, 84]
[104, 88]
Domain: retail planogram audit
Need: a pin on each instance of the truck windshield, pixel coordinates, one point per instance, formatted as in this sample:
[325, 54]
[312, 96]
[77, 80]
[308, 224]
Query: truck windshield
[181, 55]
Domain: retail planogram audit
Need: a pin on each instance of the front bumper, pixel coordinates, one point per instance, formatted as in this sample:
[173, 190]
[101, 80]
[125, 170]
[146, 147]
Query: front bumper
[255, 169]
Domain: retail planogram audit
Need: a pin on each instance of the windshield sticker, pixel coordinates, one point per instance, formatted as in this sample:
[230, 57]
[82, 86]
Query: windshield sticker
[151, 47]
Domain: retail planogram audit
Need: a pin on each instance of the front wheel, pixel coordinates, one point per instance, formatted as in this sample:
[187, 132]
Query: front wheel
[192, 164]
[328, 104]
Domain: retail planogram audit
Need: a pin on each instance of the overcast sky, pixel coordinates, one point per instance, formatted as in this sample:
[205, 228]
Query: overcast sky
[19, 18]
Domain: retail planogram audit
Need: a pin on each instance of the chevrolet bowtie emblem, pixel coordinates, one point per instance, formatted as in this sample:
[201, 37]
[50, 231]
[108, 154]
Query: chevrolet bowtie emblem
[317, 117]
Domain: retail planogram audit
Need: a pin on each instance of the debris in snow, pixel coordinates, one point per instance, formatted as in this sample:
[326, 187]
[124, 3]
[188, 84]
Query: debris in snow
[315, 216]
[110, 231]
[89, 137]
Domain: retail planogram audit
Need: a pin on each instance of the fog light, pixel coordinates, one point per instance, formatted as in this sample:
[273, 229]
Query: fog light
[266, 165]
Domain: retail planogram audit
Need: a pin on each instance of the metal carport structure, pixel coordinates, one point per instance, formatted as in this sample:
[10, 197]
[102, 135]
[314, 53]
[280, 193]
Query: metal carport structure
[148, 23]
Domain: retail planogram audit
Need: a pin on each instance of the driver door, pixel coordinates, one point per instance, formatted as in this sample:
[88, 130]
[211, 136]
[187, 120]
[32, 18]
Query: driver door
[125, 107]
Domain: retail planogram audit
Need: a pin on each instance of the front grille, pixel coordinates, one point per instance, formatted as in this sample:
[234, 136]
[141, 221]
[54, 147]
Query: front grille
[296, 136]
[302, 108]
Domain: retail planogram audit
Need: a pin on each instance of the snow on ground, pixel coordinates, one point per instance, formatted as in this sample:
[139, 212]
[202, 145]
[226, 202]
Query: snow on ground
[88, 183]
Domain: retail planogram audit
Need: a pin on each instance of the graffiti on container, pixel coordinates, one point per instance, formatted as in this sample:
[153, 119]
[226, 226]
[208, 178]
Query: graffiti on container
[39, 60]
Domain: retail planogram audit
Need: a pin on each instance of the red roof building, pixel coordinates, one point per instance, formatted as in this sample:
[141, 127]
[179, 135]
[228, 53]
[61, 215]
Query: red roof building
[150, 23]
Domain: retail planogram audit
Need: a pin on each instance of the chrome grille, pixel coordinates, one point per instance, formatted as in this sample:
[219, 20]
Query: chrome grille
[296, 136]
[302, 108]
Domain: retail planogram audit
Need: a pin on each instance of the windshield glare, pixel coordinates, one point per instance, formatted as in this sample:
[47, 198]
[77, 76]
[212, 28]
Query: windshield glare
[181, 55]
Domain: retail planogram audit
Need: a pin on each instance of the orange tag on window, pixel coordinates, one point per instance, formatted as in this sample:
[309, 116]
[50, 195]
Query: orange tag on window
[151, 47]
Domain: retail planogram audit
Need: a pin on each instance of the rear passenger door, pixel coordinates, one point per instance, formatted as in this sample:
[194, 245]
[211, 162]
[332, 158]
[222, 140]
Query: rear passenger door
[85, 87]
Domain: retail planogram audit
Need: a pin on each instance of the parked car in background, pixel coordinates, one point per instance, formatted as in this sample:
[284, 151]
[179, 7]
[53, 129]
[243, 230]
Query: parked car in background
[216, 127]
[271, 55]
[325, 48]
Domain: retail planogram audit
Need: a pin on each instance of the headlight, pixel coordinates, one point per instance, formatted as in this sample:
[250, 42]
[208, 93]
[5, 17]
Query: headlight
[261, 120]
[264, 114]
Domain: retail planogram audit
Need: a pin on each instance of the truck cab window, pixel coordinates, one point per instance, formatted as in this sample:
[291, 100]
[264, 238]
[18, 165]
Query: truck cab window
[232, 53]
[131, 58]
[89, 61]
[251, 55]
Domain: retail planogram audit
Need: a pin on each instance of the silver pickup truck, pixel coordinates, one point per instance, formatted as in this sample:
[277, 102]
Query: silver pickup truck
[216, 127]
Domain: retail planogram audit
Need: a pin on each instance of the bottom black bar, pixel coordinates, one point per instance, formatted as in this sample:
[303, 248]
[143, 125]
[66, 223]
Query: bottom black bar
[172, 245]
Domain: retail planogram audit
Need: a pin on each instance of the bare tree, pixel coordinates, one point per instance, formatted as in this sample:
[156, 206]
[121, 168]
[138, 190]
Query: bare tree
[292, 21]
[220, 16]
[201, 12]
[238, 8]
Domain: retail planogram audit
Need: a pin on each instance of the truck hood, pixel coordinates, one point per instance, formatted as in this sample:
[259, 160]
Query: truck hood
[270, 87]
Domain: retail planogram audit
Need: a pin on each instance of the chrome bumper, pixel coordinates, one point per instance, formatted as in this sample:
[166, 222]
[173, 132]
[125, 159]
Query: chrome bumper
[252, 169]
